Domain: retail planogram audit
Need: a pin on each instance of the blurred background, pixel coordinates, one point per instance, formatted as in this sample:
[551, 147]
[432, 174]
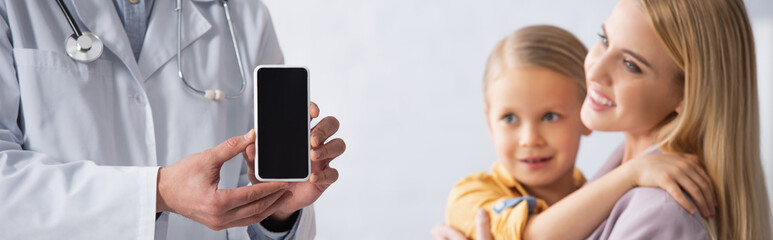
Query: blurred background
[404, 77]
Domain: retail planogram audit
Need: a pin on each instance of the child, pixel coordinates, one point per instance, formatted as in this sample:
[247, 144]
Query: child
[534, 87]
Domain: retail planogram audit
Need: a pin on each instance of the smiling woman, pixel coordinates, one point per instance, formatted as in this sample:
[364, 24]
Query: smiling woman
[682, 79]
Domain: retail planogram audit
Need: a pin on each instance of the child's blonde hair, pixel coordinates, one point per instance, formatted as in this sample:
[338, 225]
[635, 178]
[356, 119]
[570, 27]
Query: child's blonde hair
[538, 46]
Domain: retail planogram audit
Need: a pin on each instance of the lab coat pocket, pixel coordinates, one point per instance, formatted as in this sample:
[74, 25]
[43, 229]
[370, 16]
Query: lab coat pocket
[70, 98]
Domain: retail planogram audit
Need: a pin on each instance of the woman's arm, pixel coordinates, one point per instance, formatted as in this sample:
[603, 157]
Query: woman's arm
[579, 213]
[582, 211]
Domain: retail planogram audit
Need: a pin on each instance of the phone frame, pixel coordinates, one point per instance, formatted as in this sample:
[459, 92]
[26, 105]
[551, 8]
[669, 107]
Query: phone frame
[255, 122]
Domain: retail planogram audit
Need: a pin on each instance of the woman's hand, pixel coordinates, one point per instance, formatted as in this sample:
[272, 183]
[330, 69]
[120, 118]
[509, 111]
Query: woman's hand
[482, 226]
[674, 172]
[445, 232]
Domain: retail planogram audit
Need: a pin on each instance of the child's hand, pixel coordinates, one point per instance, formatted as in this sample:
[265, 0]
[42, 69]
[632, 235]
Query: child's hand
[673, 173]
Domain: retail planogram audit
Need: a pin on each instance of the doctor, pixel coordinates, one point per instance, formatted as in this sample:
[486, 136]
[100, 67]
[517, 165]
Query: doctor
[81, 142]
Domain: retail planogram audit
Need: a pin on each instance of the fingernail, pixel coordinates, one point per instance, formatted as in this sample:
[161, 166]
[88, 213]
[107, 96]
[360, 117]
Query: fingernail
[315, 140]
[248, 135]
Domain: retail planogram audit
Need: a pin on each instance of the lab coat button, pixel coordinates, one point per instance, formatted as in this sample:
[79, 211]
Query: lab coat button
[138, 99]
[134, 1]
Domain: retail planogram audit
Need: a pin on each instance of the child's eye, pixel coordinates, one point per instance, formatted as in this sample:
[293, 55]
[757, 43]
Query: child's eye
[631, 66]
[604, 39]
[510, 118]
[551, 117]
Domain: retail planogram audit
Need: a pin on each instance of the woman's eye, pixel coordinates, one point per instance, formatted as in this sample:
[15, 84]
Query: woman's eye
[604, 39]
[510, 118]
[631, 66]
[551, 117]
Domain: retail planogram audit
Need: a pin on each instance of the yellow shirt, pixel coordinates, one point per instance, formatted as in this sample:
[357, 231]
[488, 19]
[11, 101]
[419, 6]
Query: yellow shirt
[493, 191]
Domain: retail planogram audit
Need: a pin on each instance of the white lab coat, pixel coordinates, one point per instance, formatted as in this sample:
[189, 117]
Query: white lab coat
[80, 142]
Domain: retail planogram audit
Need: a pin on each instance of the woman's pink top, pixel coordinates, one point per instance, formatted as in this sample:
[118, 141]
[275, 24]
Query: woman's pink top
[647, 213]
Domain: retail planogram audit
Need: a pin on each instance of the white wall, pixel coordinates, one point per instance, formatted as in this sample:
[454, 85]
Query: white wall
[763, 30]
[404, 79]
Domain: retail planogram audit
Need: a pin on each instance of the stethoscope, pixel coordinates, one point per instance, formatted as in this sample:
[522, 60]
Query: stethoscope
[86, 47]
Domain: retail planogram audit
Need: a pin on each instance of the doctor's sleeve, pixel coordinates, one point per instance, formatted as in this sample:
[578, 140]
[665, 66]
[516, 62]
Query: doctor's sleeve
[46, 197]
[304, 227]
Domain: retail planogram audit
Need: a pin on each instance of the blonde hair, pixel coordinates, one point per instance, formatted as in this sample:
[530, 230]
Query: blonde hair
[711, 41]
[538, 46]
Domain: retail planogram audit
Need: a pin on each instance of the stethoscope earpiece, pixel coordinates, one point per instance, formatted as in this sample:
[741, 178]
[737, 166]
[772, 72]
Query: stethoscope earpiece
[85, 48]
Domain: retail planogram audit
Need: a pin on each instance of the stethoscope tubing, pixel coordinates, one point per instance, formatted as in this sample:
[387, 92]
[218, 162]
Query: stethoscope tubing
[236, 48]
[85, 53]
[210, 94]
[75, 29]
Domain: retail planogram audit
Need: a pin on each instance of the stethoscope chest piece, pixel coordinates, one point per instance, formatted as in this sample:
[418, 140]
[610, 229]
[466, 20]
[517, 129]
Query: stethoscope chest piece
[85, 48]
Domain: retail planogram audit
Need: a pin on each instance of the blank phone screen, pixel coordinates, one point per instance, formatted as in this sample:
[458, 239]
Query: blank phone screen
[283, 123]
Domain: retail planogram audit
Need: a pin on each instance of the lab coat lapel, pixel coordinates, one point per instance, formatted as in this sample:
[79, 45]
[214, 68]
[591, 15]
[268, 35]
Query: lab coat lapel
[160, 43]
[101, 18]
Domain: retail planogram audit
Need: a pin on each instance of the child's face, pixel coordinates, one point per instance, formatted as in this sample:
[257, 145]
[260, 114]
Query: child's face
[533, 117]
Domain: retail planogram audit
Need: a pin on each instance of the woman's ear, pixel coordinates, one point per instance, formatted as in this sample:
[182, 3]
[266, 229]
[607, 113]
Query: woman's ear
[680, 107]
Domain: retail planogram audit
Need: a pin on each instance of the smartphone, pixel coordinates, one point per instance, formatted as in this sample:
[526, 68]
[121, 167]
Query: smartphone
[282, 123]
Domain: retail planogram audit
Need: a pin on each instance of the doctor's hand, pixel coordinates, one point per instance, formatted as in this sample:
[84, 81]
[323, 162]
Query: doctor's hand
[189, 187]
[322, 175]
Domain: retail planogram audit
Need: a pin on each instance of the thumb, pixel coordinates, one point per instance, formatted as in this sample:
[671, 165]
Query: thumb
[230, 148]
[483, 225]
